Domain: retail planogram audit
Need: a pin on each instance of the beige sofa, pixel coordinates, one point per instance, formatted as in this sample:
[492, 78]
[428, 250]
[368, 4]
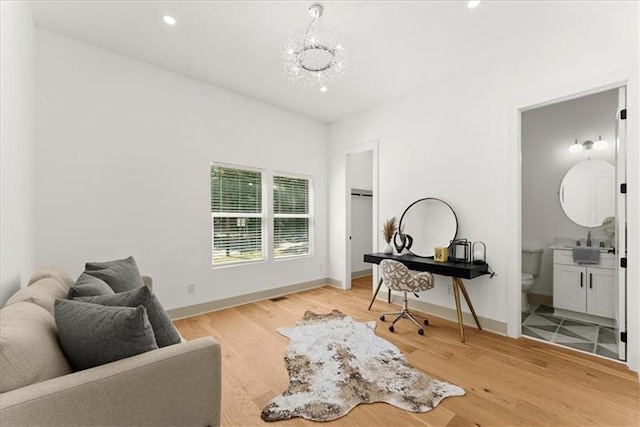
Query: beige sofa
[178, 385]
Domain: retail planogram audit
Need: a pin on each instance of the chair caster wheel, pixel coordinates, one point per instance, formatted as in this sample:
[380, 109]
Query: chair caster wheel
[426, 322]
[421, 331]
[382, 318]
[391, 328]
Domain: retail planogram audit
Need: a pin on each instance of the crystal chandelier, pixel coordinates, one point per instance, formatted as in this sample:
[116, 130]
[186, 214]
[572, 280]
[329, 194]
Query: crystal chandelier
[314, 58]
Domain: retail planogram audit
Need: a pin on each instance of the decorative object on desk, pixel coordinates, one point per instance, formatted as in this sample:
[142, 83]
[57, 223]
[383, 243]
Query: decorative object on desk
[460, 250]
[430, 222]
[388, 230]
[479, 252]
[406, 241]
[336, 363]
[440, 253]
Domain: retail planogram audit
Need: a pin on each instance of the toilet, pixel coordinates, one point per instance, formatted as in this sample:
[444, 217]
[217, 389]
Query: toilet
[531, 261]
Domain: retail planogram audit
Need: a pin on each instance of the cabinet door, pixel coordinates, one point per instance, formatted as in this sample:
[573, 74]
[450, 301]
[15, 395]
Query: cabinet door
[601, 292]
[569, 287]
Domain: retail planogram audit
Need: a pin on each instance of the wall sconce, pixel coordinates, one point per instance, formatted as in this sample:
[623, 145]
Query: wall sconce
[599, 145]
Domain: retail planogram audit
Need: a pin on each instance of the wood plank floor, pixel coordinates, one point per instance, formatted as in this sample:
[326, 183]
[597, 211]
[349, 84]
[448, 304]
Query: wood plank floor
[507, 381]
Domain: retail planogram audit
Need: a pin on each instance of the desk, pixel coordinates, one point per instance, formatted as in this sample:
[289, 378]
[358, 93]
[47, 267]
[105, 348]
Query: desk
[456, 270]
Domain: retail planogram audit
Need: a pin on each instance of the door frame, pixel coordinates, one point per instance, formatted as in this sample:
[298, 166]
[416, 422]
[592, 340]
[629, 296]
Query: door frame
[622, 78]
[349, 151]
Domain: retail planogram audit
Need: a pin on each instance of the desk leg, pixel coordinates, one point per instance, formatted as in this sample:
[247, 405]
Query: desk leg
[466, 297]
[375, 294]
[456, 295]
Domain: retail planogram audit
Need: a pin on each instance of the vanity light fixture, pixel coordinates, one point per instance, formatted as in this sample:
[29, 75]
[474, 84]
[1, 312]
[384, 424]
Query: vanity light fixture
[169, 20]
[599, 145]
[575, 147]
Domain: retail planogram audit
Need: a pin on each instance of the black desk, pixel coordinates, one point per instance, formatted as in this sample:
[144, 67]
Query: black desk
[456, 270]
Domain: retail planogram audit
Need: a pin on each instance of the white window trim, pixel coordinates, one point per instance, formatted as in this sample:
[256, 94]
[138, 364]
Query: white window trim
[264, 215]
[310, 216]
[268, 216]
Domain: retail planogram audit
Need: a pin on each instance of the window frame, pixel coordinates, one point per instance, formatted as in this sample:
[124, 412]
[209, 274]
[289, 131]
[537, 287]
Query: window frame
[309, 215]
[263, 215]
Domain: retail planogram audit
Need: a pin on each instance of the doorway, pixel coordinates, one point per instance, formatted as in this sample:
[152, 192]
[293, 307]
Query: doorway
[565, 148]
[361, 202]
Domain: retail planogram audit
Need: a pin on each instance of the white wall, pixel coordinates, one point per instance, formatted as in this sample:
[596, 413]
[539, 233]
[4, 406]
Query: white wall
[455, 140]
[123, 158]
[17, 152]
[547, 133]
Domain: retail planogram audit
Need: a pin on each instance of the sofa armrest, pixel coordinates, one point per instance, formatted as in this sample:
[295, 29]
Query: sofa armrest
[174, 385]
[148, 280]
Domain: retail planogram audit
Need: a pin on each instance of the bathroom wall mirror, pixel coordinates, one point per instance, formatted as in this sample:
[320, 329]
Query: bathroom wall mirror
[430, 222]
[587, 192]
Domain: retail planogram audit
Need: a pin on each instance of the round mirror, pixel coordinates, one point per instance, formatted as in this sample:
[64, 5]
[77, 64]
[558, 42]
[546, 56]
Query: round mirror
[587, 192]
[430, 222]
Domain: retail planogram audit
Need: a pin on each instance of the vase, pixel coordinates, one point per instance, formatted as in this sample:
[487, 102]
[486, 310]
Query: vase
[388, 249]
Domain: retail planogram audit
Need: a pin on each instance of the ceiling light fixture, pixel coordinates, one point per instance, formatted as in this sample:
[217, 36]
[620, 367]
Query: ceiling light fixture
[599, 145]
[473, 4]
[169, 20]
[315, 57]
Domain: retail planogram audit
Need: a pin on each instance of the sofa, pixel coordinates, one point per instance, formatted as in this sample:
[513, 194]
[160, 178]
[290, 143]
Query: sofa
[177, 385]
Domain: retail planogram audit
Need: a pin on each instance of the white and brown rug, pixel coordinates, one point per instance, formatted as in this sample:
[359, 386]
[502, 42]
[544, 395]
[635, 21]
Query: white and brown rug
[336, 363]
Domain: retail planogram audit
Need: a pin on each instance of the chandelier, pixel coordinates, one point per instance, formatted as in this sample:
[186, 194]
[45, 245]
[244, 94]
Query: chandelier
[315, 57]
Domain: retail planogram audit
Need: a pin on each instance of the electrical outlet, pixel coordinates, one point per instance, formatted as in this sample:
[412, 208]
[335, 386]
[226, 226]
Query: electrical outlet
[191, 288]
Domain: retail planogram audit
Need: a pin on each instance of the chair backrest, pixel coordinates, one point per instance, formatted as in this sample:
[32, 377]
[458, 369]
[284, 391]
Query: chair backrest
[396, 276]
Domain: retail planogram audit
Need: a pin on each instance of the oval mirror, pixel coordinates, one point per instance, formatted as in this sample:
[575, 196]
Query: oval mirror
[587, 192]
[430, 222]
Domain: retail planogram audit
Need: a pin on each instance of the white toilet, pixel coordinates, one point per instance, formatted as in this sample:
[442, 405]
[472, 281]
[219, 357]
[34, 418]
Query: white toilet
[531, 261]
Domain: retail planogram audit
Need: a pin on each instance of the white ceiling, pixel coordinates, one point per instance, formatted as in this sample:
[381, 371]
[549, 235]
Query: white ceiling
[394, 47]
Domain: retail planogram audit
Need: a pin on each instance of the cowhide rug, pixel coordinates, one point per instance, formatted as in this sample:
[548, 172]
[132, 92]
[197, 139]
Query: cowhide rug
[335, 364]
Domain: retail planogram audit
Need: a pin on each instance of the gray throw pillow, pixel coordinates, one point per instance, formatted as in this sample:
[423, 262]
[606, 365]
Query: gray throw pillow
[92, 334]
[88, 286]
[122, 274]
[166, 334]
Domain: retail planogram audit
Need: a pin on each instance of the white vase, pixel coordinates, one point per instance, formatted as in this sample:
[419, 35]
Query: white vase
[388, 249]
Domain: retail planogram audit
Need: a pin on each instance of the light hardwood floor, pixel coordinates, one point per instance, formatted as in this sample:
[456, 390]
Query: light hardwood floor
[507, 381]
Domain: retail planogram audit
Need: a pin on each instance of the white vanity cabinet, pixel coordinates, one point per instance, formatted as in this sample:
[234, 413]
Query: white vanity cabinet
[588, 289]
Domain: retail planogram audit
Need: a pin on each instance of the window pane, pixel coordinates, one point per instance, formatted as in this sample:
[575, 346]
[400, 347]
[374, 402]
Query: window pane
[236, 239]
[235, 190]
[290, 195]
[291, 237]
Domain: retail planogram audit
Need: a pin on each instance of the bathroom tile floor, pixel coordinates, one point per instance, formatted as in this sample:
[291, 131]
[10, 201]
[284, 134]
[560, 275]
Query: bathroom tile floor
[542, 324]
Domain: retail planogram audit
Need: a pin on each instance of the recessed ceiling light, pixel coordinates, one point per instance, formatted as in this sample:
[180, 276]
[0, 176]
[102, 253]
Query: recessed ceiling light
[323, 89]
[169, 20]
[473, 4]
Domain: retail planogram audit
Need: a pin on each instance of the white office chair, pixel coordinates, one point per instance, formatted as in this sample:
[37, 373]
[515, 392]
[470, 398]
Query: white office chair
[397, 277]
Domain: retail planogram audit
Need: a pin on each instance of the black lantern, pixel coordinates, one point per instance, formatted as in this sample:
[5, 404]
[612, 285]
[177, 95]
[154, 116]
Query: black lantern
[460, 250]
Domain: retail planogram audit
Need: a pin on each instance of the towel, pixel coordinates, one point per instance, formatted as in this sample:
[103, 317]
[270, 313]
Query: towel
[586, 255]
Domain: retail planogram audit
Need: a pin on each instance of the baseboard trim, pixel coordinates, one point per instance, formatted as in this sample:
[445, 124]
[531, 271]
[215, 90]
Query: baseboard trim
[361, 273]
[447, 313]
[335, 283]
[210, 306]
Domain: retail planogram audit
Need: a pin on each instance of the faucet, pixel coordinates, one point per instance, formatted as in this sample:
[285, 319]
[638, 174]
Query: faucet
[589, 238]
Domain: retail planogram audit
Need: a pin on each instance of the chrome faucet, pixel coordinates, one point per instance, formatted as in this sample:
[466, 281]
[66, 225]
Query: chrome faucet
[589, 238]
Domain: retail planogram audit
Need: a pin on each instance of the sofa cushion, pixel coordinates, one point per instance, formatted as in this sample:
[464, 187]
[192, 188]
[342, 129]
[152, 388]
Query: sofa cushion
[92, 334]
[89, 286]
[122, 274]
[43, 293]
[29, 347]
[55, 273]
[164, 331]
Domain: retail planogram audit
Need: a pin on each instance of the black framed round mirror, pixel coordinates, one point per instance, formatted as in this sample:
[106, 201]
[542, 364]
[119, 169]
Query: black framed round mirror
[431, 223]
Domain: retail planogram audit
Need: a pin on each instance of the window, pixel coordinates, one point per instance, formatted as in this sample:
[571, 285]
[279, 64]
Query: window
[291, 216]
[240, 200]
[237, 214]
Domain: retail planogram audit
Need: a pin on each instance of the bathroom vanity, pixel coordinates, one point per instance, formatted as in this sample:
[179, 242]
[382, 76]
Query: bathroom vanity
[584, 292]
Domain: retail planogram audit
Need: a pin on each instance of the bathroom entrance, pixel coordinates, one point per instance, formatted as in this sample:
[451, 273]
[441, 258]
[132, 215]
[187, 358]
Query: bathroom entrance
[573, 222]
